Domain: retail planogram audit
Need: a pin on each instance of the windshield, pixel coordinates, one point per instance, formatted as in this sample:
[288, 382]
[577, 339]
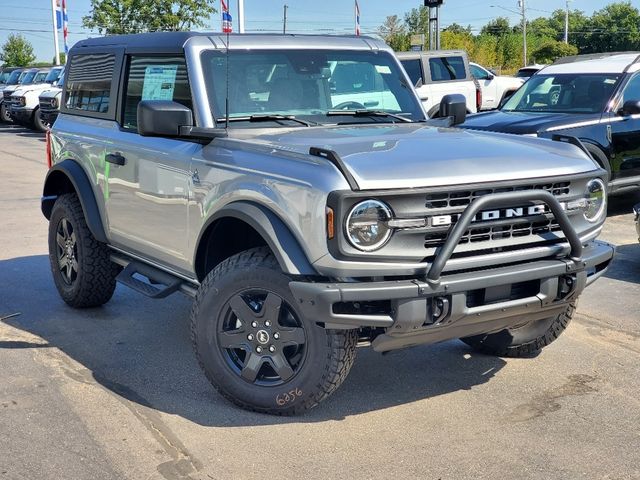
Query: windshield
[53, 75]
[13, 78]
[3, 77]
[40, 77]
[564, 93]
[310, 85]
[27, 78]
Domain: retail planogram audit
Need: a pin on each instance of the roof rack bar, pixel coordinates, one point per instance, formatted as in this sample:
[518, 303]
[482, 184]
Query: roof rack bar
[588, 56]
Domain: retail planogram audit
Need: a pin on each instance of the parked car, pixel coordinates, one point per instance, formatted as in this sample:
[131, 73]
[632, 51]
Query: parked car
[49, 102]
[494, 87]
[436, 73]
[302, 218]
[11, 80]
[595, 98]
[528, 71]
[24, 104]
[5, 75]
[27, 77]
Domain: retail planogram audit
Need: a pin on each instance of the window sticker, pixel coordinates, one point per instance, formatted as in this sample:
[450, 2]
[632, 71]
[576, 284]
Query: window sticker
[159, 82]
[383, 69]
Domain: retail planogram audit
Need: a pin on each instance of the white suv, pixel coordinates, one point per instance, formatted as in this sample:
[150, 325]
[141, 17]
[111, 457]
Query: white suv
[24, 103]
[494, 87]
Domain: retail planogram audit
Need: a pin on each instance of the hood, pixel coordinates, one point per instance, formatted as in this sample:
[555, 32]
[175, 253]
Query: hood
[34, 87]
[522, 122]
[51, 92]
[415, 155]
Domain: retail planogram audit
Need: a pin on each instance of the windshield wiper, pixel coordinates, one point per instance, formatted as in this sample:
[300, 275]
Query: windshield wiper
[367, 113]
[268, 118]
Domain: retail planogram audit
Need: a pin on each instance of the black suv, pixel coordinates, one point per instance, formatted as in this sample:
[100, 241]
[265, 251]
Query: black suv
[595, 98]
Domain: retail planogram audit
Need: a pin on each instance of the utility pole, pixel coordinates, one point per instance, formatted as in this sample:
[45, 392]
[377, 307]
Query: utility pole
[566, 23]
[284, 20]
[55, 31]
[240, 16]
[524, 33]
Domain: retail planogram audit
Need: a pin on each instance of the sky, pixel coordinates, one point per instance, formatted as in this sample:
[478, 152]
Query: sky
[32, 18]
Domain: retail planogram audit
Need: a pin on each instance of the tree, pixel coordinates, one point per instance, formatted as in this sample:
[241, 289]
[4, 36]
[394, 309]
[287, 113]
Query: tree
[616, 27]
[552, 50]
[417, 20]
[134, 16]
[394, 33]
[457, 28]
[17, 51]
[63, 59]
[498, 27]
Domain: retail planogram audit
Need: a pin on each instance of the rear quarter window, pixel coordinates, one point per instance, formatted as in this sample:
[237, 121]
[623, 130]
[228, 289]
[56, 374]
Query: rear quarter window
[447, 69]
[89, 83]
[413, 69]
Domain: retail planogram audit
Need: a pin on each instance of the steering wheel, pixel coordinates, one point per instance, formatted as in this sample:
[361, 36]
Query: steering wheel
[349, 105]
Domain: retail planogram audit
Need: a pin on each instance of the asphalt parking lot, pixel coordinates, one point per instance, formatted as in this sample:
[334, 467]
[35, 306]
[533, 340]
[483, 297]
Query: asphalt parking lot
[115, 392]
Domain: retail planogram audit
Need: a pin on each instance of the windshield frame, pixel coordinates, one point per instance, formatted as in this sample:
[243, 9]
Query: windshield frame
[537, 80]
[409, 103]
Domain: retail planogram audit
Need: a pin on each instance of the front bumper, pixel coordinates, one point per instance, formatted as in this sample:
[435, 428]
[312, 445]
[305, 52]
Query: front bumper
[48, 117]
[21, 114]
[475, 302]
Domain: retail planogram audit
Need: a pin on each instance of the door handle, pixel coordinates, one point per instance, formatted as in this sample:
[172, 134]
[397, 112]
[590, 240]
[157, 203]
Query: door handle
[115, 158]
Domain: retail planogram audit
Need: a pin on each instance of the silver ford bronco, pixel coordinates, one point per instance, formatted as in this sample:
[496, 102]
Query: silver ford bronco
[293, 186]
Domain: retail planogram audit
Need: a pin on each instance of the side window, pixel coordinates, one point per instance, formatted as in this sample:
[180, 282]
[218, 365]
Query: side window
[478, 72]
[632, 90]
[154, 78]
[413, 69]
[446, 68]
[89, 82]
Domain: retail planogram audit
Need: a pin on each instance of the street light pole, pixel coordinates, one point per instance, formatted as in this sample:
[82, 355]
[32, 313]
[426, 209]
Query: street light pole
[566, 23]
[524, 33]
[240, 16]
[284, 20]
[55, 31]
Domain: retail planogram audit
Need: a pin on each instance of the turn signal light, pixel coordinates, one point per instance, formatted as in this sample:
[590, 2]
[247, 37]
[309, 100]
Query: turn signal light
[330, 224]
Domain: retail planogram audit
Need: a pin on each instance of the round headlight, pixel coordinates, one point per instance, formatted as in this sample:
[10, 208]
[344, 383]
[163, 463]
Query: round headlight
[54, 103]
[596, 200]
[367, 227]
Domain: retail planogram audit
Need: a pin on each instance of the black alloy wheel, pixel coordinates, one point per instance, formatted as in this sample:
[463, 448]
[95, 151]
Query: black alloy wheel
[261, 338]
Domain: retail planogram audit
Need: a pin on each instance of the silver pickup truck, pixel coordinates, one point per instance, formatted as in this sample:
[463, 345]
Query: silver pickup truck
[294, 188]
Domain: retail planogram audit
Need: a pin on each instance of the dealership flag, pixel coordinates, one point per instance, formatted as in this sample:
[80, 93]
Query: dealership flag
[227, 25]
[357, 18]
[65, 22]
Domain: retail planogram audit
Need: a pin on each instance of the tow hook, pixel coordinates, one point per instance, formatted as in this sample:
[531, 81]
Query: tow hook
[566, 286]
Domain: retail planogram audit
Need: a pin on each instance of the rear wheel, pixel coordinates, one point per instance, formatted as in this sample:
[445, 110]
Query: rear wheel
[82, 270]
[254, 345]
[524, 341]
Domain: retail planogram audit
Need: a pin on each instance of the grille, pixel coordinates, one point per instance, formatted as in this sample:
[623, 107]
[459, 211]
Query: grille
[45, 106]
[465, 197]
[500, 231]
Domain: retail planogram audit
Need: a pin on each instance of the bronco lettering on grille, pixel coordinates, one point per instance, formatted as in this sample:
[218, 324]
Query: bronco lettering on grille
[488, 215]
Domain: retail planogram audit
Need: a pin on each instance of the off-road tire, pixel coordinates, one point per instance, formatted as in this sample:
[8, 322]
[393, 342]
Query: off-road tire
[95, 280]
[329, 353]
[525, 341]
[38, 124]
[4, 113]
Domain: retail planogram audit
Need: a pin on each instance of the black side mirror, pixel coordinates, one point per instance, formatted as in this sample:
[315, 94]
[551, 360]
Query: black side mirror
[490, 76]
[630, 107]
[163, 118]
[455, 106]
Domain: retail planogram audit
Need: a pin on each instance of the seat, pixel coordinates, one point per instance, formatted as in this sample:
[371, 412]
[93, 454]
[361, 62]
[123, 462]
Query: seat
[285, 94]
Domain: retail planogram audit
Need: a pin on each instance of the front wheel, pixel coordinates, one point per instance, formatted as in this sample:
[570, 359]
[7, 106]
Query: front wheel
[255, 346]
[523, 341]
[38, 123]
[4, 113]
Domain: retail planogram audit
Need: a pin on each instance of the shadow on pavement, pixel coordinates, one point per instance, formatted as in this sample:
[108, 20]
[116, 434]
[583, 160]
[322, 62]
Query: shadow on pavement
[140, 349]
[626, 264]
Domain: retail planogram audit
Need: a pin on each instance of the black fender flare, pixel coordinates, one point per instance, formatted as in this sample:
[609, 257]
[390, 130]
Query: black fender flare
[597, 153]
[284, 245]
[71, 171]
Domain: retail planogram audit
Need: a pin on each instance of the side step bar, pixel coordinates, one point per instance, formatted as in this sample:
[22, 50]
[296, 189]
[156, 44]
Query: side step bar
[160, 284]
